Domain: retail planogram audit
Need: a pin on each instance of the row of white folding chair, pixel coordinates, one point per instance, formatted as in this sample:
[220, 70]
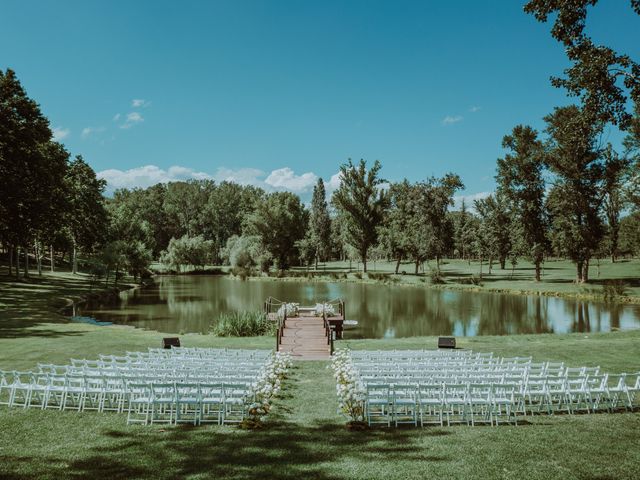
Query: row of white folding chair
[192, 402]
[150, 363]
[28, 389]
[204, 353]
[416, 353]
[42, 390]
[432, 368]
[548, 394]
[428, 403]
[163, 371]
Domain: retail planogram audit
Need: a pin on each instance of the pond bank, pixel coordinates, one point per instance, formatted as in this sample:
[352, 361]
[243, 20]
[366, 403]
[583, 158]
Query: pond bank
[589, 292]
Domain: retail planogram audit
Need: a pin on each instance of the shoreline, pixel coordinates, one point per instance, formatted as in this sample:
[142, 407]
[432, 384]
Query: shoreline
[618, 299]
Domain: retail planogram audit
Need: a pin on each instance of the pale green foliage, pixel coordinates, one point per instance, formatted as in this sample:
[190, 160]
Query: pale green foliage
[187, 251]
[246, 251]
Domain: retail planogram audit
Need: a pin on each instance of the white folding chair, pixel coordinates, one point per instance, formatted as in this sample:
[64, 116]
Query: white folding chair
[378, 404]
[431, 403]
[405, 403]
[139, 398]
[188, 399]
[212, 402]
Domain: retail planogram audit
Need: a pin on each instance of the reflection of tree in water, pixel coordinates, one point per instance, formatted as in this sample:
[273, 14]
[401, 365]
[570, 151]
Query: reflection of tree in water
[464, 309]
[513, 314]
[578, 312]
[193, 303]
[400, 311]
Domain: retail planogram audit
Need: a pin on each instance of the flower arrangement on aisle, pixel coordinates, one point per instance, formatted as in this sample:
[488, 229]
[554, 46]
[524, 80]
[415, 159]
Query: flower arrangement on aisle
[266, 387]
[350, 390]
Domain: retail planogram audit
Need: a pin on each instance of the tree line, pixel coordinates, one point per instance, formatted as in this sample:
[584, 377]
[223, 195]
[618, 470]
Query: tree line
[561, 192]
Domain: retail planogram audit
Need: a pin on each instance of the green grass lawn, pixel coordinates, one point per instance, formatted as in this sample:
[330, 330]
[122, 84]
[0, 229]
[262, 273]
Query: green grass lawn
[303, 437]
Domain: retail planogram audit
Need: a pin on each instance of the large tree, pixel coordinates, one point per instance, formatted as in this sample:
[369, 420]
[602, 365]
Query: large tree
[521, 181]
[227, 206]
[280, 221]
[575, 200]
[603, 78]
[362, 201]
[393, 231]
[32, 167]
[612, 190]
[87, 216]
[496, 227]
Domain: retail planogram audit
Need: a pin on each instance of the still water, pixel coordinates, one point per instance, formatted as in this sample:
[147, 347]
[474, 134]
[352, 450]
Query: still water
[192, 303]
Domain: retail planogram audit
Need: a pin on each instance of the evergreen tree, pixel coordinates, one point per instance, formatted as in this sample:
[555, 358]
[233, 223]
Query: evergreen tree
[319, 224]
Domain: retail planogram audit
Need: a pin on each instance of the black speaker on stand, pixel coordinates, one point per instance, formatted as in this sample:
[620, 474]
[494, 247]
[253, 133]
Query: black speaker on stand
[446, 342]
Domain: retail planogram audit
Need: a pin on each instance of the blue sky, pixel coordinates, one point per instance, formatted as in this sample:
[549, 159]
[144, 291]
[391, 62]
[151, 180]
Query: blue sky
[277, 93]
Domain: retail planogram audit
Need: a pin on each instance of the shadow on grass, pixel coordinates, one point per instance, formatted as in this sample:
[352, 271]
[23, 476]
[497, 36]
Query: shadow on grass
[281, 451]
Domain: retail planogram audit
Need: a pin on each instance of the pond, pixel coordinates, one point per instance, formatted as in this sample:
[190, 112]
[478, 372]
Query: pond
[184, 303]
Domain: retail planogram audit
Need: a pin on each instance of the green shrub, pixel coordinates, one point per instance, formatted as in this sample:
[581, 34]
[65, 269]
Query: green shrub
[472, 280]
[614, 288]
[358, 275]
[241, 272]
[436, 278]
[243, 324]
[377, 276]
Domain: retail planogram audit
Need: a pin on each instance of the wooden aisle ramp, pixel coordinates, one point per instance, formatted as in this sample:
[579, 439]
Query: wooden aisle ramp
[305, 338]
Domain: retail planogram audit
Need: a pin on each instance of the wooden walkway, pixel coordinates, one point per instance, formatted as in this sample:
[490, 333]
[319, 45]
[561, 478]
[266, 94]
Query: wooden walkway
[305, 338]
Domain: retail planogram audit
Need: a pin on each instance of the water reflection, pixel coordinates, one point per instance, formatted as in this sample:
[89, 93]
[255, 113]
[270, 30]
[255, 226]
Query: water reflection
[191, 304]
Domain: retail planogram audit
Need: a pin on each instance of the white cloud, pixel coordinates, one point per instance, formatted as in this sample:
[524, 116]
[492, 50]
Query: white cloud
[334, 183]
[450, 120]
[475, 109]
[282, 179]
[243, 176]
[116, 117]
[469, 200]
[147, 175]
[60, 133]
[87, 131]
[132, 119]
[286, 179]
[140, 103]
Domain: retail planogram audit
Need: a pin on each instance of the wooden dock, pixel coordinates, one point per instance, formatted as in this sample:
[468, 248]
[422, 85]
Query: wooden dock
[306, 332]
[305, 338]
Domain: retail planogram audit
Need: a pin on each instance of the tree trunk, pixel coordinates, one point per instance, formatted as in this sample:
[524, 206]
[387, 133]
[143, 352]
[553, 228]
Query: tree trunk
[438, 264]
[579, 272]
[417, 266]
[10, 260]
[51, 261]
[397, 265]
[503, 263]
[490, 264]
[538, 269]
[17, 262]
[316, 268]
[480, 267]
[36, 246]
[585, 271]
[74, 261]
[26, 262]
[364, 262]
